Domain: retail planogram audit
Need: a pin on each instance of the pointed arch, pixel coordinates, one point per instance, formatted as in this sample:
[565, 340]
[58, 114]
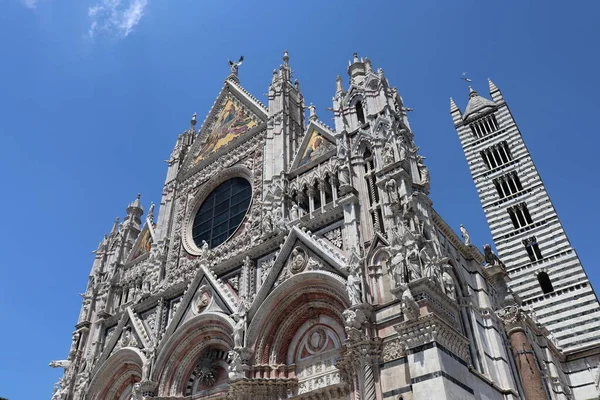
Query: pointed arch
[117, 374]
[314, 294]
[179, 354]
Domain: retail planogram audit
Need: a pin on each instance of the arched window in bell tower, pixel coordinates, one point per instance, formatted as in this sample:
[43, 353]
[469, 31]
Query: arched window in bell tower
[545, 282]
[360, 113]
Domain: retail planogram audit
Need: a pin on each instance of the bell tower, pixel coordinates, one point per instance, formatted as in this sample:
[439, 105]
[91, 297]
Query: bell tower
[545, 270]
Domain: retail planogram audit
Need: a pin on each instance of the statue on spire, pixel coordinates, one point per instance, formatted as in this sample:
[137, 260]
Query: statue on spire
[234, 65]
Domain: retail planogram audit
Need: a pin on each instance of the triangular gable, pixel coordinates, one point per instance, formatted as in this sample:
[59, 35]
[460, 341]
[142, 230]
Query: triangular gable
[306, 238]
[143, 242]
[206, 299]
[382, 128]
[116, 335]
[318, 144]
[362, 140]
[378, 241]
[234, 114]
[221, 298]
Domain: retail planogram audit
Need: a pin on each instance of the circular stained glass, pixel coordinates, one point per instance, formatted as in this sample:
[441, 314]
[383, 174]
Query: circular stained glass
[222, 212]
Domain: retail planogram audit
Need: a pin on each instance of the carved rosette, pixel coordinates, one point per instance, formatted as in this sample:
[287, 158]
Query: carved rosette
[392, 350]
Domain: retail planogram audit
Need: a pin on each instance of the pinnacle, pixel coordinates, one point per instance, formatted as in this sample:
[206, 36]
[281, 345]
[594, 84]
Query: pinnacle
[493, 87]
[453, 106]
[472, 92]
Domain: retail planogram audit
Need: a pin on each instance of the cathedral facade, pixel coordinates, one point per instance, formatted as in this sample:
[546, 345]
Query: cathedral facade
[291, 259]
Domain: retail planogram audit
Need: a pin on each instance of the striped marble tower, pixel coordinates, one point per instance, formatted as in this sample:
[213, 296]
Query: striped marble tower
[545, 270]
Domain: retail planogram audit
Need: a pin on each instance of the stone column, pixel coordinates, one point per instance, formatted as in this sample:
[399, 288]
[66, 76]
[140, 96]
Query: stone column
[527, 365]
[516, 323]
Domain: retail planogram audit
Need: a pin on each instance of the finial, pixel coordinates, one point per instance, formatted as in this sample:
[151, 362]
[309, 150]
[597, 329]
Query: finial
[380, 73]
[297, 84]
[355, 56]
[151, 212]
[494, 91]
[115, 226]
[313, 111]
[275, 76]
[453, 106]
[368, 66]
[338, 84]
[193, 120]
[472, 92]
[286, 58]
[139, 195]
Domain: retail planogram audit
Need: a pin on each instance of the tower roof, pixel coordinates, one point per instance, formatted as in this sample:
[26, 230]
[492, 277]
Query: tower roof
[477, 104]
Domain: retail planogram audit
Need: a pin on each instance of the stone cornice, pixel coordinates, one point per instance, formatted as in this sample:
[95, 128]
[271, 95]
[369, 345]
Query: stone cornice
[431, 328]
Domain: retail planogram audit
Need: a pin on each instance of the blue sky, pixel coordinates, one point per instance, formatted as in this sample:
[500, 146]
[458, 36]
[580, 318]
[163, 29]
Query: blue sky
[93, 94]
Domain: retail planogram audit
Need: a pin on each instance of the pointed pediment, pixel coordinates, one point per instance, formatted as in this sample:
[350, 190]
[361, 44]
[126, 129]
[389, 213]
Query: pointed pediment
[205, 294]
[362, 140]
[379, 241]
[316, 256]
[318, 144]
[234, 116]
[381, 128]
[127, 333]
[143, 243]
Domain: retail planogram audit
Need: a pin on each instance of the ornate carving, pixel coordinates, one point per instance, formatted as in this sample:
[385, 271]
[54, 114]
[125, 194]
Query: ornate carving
[203, 300]
[298, 260]
[335, 237]
[392, 350]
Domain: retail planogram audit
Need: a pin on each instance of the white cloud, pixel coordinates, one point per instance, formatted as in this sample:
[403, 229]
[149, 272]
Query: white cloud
[115, 16]
[30, 3]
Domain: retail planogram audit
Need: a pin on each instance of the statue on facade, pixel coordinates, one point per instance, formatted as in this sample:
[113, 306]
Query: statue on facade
[448, 282]
[410, 308]
[235, 364]
[413, 261]
[354, 319]
[344, 176]
[239, 329]
[294, 214]
[490, 257]
[354, 285]
[126, 338]
[147, 366]
[136, 392]
[428, 261]
[267, 223]
[465, 235]
[392, 191]
[388, 153]
[398, 265]
[423, 170]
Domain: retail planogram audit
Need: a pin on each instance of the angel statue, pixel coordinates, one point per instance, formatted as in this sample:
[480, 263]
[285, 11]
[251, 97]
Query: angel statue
[353, 285]
[234, 65]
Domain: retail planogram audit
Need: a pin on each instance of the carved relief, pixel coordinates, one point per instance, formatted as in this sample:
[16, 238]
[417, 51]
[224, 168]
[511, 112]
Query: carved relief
[203, 299]
[298, 260]
[335, 237]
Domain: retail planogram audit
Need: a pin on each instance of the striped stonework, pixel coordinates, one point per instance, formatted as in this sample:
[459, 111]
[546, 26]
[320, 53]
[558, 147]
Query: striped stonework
[524, 224]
